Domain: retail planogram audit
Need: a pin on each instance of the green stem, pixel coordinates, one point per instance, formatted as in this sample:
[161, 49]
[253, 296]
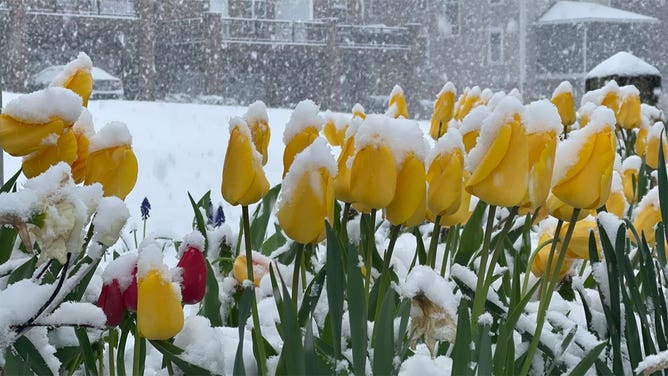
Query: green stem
[431, 256]
[259, 340]
[552, 278]
[498, 249]
[302, 269]
[112, 368]
[371, 239]
[344, 222]
[170, 369]
[449, 231]
[144, 233]
[137, 351]
[385, 275]
[479, 298]
[295, 274]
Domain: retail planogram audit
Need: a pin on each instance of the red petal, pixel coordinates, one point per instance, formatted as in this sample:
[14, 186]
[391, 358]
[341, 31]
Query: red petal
[111, 302]
[193, 286]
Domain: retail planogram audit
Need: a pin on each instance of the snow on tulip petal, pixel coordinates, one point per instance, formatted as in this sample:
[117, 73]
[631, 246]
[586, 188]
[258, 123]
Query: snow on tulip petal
[630, 169]
[445, 174]
[77, 77]
[647, 215]
[258, 122]
[261, 266]
[397, 104]
[19, 138]
[655, 136]
[301, 130]
[444, 109]
[562, 98]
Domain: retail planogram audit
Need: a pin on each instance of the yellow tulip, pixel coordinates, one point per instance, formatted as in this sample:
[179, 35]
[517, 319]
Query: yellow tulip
[543, 127]
[443, 111]
[159, 312]
[410, 191]
[630, 170]
[655, 137]
[561, 210]
[647, 215]
[419, 214]
[585, 113]
[83, 130]
[445, 174]
[358, 111]
[562, 98]
[244, 181]
[77, 77]
[64, 150]
[470, 126]
[611, 97]
[578, 246]
[584, 163]
[397, 104]
[114, 165]
[500, 159]
[469, 100]
[334, 129]
[539, 266]
[260, 268]
[342, 181]
[258, 123]
[296, 145]
[640, 146]
[462, 215]
[19, 138]
[628, 115]
[307, 195]
[616, 203]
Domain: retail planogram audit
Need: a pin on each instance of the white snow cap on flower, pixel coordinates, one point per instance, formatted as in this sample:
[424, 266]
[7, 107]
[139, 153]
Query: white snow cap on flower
[452, 139]
[402, 136]
[82, 62]
[113, 134]
[650, 111]
[256, 112]
[655, 131]
[495, 99]
[650, 199]
[542, 116]
[314, 157]
[628, 90]
[616, 185]
[121, 270]
[396, 90]
[109, 220]
[43, 105]
[353, 127]
[358, 108]
[194, 239]
[84, 124]
[340, 121]
[303, 116]
[597, 96]
[474, 119]
[503, 113]
[449, 87]
[564, 87]
[515, 92]
[150, 258]
[568, 150]
[486, 94]
[633, 162]
[424, 280]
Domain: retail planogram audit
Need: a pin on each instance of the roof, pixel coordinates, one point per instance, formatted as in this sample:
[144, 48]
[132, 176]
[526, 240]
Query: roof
[563, 12]
[623, 64]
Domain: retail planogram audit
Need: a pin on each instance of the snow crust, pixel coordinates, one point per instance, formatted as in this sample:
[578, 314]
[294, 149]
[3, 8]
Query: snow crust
[452, 139]
[42, 106]
[623, 64]
[315, 156]
[542, 116]
[257, 112]
[81, 63]
[109, 220]
[581, 11]
[303, 116]
[402, 136]
[120, 269]
[563, 87]
[113, 134]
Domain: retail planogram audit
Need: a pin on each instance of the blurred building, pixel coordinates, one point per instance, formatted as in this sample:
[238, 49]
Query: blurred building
[336, 52]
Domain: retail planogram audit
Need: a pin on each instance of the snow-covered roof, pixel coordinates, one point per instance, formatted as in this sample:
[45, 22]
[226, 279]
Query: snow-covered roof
[583, 12]
[623, 64]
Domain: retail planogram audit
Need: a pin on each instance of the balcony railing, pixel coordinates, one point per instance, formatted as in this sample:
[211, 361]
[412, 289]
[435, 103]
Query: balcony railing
[274, 31]
[105, 8]
[373, 36]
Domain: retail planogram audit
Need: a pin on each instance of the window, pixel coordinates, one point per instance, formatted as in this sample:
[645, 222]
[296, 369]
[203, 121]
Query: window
[116, 6]
[218, 6]
[340, 10]
[495, 46]
[253, 8]
[450, 23]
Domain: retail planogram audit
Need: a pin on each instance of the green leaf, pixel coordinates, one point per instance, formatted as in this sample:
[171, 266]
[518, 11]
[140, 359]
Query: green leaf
[461, 353]
[210, 307]
[383, 354]
[472, 235]
[9, 184]
[421, 251]
[14, 365]
[260, 218]
[293, 348]
[7, 240]
[244, 313]
[484, 351]
[26, 270]
[274, 242]
[663, 182]
[586, 362]
[357, 311]
[199, 223]
[126, 326]
[335, 287]
[87, 350]
[31, 356]
[172, 352]
[311, 296]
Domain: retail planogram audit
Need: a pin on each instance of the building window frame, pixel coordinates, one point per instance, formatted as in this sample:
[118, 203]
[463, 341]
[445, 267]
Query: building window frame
[495, 38]
[258, 9]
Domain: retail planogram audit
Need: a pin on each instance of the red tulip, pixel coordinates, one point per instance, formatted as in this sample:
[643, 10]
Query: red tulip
[111, 302]
[193, 268]
[130, 293]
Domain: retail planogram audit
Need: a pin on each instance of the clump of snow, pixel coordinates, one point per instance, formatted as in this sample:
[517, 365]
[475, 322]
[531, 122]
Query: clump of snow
[564, 87]
[600, 273]
[628, 91]
[358, 108]
[568, 151]
[150, 259]
[113, 134]
[486, 95]
[485, 319]
[452, 139]
[503, 113]
[653, 363]
[38, 337]
[195, 239]
[653, 113]
[303, 116]
[633, 162]
[120, 269]
[469, 278]
[257, 112]
[596, 96]
[449, 87]
[109, 220]
[495, 99]
[81, 63]
[421, 363]
[315, 156]
[474, 119]
[75, 313]
[515, 93]
[650, 199]
[400, 135]
[339, 121]
[44, 105]
[610, 224]
[396, 90]
[424, 280]
[542, 116]
[84, 124]
[20, 301]
[623, 64]
[196, 350]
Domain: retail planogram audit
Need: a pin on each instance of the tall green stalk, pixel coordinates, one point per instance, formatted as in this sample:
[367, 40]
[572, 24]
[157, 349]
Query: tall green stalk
[370, 242]
[259, 340]
[433, 245]
[480, 298]
[295, 274]
[385, 275]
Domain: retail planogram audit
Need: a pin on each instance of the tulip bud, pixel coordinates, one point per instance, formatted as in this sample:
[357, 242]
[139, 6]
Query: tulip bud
[111, 302]
[445, 174]
[335, 128]
[541, 258]
[647, 215]
[342, 181]
[462, 215]
[302, 129]
[261, 265]
[610, 94]
[111, 161]
[409, 192]
[656, 136]
[562, 98]
[83, 130]
[543, 126]
[358, 111]
[630, 169]
[258, 122]
[244, 181]
[500, 159]
[397, 104]
[640, 146]
[307, 194]
[628, 115]
[470, 127]
[77, 77]
[469, 100]
[585, 113]
[193, 275]
[64, 149]
[586, 159]
[616, 203]
[561, 210]
[443, 111]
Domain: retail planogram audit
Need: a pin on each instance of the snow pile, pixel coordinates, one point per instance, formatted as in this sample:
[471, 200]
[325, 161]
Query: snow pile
[542, 116]
[201, 352]
[623, 64]
[44, 105]
[120, 270]
[402, 136]
[81, 63]
[303, 116]
[257, 112]
[112, 214]
[113, 134]
[74, 313]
